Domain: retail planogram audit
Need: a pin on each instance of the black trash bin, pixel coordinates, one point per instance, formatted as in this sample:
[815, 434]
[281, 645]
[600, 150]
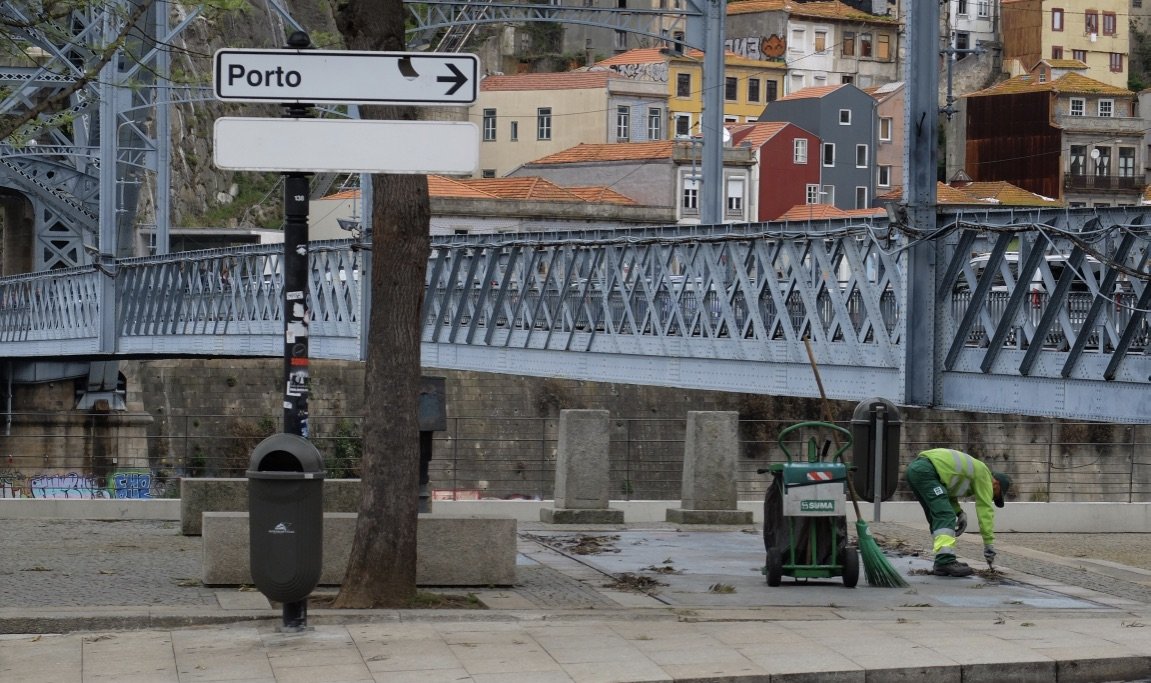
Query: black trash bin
[286, 517]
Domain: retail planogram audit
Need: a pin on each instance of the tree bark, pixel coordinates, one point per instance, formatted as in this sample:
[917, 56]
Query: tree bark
[382, 568]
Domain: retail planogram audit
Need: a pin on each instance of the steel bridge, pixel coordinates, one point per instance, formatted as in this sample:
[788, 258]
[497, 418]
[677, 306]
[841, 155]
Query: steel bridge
[1034, 312]
[1029, 312]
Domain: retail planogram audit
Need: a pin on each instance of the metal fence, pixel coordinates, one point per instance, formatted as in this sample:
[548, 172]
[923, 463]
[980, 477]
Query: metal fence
[514, 457]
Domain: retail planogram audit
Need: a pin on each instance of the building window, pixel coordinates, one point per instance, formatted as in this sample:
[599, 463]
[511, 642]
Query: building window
[1102, 157]
[544, 123]
[489, 125]
[829, 154]
[847, 79]
[654, 123]
[683, 85]
[883, 47]
[1081, 55]
[962, 42]
[864, 44]
[488, 173]
[735, 197]
[796, 82]
[772, 91]
[821, 42]
[1108, 23]
[883, 178]
[1056, 19]
[1127, 162]
[813, 194]
[860, 197]
[619, 41]
[623, 122]
[848, 43]
[689, 200]
[1116, 60]
[861, 156]
[1042, 73]
[1107, 108]
[753, 90]
[885, 125]
[1078, 159]
[984, 8]
[731, 88]
[845, 117]
[1077, 106]
[1056, 52]
[828, 194]
[514, 131]
[961, 8]
[797, 40]
[683, 125]
[1091, 21]
[799, 150]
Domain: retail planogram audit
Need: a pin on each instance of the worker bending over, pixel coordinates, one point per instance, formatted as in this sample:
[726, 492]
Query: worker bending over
[938, 477]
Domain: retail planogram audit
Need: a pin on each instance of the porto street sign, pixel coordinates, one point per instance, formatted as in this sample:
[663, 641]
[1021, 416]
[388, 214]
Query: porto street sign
[315, 76]
[345, 145]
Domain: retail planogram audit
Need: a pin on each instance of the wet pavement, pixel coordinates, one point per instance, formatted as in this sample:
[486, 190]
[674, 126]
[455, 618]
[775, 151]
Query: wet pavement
[121, 601]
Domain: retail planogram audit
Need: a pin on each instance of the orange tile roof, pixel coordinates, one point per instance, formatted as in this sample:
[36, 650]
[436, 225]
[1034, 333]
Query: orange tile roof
[344, 194]
[1006, 193]
[439, 186]
[944, 194]
[828, 9]
[1065, 63]
[757, 133]
[565, 80]
[812, 212]
[619, 151]
[814, 91]
[600, 194]
[1070, 83]
[656, 55]
[523, 188]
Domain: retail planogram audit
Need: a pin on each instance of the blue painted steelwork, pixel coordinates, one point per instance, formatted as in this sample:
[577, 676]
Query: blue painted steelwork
[1035, 312]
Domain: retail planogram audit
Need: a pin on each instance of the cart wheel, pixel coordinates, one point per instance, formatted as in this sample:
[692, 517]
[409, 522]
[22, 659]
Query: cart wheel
[850, 567]
[774, 567]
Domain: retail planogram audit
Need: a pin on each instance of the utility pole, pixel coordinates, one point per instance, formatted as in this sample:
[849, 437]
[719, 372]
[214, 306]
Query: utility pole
[922, 122]
[711, 189]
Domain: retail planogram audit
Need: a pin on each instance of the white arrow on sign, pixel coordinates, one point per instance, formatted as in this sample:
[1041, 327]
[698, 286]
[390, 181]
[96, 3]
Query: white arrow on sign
[345, 145]
[310, 76]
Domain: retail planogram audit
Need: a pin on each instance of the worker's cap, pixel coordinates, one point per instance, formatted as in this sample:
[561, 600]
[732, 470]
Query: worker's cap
[1004, 487]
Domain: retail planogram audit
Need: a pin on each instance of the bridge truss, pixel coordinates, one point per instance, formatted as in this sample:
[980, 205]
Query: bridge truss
[1037, 312]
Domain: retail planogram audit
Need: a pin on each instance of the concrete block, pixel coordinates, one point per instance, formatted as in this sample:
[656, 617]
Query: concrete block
[566, 516]
[218, 494]
[710, 459]
[450, 550]
[582, 467]
[683, 516]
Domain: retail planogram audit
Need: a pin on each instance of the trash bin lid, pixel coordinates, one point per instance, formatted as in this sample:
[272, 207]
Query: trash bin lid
[286, 456]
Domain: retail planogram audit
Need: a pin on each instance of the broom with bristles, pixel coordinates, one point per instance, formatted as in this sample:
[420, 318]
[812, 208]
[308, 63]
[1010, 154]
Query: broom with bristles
[876, 568]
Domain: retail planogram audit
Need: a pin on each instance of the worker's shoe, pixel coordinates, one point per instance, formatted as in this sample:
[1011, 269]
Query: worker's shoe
[954, 569]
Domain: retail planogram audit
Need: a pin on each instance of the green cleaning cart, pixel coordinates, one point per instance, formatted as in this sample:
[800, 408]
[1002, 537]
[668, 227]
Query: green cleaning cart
[805, 510]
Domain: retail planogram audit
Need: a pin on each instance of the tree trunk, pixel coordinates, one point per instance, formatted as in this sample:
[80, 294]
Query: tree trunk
[382, 568]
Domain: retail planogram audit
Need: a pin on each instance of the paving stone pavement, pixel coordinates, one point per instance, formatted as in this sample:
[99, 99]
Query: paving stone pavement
[563, 622]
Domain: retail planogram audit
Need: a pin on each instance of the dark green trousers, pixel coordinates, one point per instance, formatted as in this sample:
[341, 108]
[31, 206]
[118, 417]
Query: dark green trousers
[932, 495]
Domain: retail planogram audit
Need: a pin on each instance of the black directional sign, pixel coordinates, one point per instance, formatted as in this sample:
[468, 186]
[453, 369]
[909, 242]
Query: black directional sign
[314, 76]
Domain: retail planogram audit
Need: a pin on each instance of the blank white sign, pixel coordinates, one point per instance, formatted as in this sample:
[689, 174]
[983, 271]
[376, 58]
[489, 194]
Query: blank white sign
[345, 145]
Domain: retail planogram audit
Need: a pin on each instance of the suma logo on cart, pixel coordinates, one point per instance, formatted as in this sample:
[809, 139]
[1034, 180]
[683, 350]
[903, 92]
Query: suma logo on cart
[281, 528]
[817, 506]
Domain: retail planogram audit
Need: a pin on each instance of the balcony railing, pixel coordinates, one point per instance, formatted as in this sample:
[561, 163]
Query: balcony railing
[1102, 182]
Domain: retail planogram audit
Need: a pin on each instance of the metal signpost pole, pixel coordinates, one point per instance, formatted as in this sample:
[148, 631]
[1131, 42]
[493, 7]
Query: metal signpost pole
[296, 312]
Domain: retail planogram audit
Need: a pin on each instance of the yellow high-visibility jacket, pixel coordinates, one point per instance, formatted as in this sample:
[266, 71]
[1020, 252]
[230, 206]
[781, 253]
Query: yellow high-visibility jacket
[964, 475]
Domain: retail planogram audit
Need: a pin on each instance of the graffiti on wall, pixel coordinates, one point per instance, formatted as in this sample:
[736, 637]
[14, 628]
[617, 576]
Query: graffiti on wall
[74, 485]
[642, 72]
[764, 48]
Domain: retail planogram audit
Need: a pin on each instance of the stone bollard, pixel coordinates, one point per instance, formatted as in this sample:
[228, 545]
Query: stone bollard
[582, 471]
[710, 459]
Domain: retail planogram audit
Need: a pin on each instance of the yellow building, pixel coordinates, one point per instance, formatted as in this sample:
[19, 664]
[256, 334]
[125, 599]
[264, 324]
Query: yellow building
[749, 84]
[1097, 35]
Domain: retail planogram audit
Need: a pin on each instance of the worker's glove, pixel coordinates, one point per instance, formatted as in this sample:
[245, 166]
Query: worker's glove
[989, 553]
[960, 523]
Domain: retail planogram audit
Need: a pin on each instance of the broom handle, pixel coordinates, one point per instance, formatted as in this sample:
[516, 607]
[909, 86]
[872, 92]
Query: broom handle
[827, 416]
